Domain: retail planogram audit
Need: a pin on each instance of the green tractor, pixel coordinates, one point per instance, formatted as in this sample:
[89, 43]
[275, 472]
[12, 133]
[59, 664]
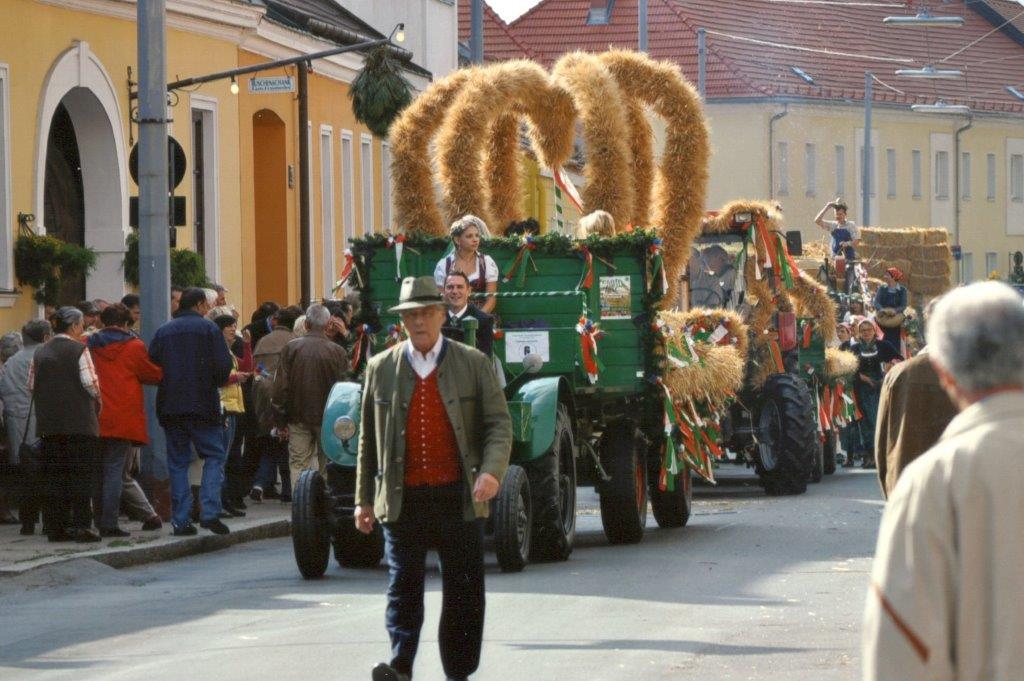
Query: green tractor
[576, 352]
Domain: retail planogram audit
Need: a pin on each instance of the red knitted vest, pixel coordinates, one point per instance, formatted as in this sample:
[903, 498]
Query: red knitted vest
[431, 450]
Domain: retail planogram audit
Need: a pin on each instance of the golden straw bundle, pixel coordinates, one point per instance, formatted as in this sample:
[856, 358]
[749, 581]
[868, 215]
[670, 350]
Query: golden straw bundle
[839, 364]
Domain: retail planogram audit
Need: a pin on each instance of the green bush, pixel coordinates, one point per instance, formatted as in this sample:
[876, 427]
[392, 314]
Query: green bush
[43, 262]
[187, 267]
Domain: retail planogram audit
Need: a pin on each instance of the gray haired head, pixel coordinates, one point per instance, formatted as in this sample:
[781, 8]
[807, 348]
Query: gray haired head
[10, 343]
[211, 296]
[317, 317]
[36, 332]
[66, 317]
[976, 333]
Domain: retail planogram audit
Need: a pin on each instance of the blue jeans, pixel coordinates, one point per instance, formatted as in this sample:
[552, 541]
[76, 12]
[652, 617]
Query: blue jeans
[432, 519]
[273, 460]
[209, 443]
[108, 488]
[868, 398]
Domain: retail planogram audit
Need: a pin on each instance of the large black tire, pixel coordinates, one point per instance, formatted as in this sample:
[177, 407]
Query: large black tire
[353, 549]
[310, 532]
[829, 454]
[553, 487]
[787, 433]
[512, 520]
[818, 462]
[672, 509]
[624, 496]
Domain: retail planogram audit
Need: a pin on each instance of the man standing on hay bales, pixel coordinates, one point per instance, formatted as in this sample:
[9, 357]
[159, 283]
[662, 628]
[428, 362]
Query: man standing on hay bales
[434, 444]
[845, 234]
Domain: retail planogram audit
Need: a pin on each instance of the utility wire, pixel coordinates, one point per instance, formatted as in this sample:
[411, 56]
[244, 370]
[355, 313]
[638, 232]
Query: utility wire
[978, 40]
[800, 48]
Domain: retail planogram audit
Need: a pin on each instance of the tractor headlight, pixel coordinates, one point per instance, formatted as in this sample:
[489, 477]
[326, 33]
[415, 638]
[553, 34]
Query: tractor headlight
[344, 428]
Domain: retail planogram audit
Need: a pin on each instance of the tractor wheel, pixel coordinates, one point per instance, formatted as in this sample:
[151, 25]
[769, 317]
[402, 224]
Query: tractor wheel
[787, 435]
[310, 532]
[672, 509]
[553, 483]
[829, 455]
[512, 520]
[624, 497]
[818, 462]
[353, 549]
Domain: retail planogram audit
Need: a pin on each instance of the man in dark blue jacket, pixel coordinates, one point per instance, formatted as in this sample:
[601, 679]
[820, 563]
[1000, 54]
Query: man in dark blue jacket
[196, 362]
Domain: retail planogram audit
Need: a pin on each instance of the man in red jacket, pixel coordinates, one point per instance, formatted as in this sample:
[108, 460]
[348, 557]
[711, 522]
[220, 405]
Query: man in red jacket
[123, 366]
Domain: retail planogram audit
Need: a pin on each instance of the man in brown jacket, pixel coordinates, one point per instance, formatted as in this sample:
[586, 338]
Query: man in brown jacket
[308, 369]
[913, 410]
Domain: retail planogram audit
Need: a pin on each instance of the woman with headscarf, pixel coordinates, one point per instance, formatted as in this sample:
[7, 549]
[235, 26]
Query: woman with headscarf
[890, 302]
[874, 356]
[481, 270]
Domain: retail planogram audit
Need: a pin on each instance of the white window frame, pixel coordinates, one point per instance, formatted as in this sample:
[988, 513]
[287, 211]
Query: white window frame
[348, 192]
[327, 208]
[1016, 178]
[890, 172]
[6, 226]
[810, 169]
[941, 183]
[310, 254]
[782, 168]
[385, 186]
[208, 106]
[991, 263]
[967, 267]
[965, 175]
[915, 188]
[990, 177]
[840, 170]
[366, 180]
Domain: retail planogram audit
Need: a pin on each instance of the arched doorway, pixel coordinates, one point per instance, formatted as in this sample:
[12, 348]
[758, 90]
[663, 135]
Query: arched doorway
[81, 189]
[270, 185]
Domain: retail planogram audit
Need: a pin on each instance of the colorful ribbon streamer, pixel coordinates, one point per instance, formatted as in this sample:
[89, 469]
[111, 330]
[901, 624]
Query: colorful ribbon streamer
[589, 333]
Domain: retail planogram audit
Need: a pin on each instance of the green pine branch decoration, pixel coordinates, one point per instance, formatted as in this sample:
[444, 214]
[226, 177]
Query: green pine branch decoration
[380, 91]
[187, 267]
[43, 262]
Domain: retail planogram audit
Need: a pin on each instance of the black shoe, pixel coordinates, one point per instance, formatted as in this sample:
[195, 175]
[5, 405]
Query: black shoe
[87, 537]
[256, 494]
[61, 536]
[27, 530]
[186, 530]
[239, 503]
[114, 532]
[385, 672]
[215, 526]
[233, 512]
[153, 523]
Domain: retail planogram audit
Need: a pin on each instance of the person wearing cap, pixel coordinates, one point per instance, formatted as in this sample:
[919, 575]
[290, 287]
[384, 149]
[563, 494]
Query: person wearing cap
[306, 371]
[481, 270]
[434, 443]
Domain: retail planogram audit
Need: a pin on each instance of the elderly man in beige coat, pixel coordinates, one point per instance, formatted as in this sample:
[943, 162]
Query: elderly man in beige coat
[944, 599]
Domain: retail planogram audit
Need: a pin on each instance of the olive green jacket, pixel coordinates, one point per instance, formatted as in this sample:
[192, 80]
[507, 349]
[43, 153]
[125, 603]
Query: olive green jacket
[476, 408]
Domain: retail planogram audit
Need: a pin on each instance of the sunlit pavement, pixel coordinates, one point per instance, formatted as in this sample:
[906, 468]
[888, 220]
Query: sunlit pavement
[752, 588]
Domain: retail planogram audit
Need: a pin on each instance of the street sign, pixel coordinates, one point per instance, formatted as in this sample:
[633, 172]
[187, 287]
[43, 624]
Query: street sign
[958, 253]
[176, 163]
[271, 84]
[177, 211]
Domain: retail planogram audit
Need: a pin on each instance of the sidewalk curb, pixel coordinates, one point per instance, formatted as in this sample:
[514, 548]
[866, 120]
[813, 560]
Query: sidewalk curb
[165, 549]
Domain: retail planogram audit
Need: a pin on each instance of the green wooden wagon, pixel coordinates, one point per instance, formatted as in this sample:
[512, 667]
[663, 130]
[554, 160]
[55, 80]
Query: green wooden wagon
[571, 426]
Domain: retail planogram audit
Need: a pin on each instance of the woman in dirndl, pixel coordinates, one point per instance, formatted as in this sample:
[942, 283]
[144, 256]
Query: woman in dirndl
[466, 234]
[890, 302]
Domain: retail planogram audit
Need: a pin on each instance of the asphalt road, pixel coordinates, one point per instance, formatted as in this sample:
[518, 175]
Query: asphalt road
[752, 588]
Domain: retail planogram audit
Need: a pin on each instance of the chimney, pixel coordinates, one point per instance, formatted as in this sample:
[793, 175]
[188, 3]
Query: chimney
[600, 11]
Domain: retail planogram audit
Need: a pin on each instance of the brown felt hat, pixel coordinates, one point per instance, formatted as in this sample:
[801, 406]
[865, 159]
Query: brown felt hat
[417, 292]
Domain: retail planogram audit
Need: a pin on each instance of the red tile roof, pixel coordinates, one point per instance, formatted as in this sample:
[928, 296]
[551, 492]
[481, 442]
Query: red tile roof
[753, 45]
[500, 42]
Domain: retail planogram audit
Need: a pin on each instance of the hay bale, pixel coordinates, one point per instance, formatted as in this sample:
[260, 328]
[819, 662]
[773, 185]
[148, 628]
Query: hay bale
[932, 236]
[936, 252]
[931, 285]
[839, 364]
[892, 237]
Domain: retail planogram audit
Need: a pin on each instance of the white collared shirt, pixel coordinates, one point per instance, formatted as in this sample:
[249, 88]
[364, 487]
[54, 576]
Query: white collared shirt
[423, 364]
[455, 316]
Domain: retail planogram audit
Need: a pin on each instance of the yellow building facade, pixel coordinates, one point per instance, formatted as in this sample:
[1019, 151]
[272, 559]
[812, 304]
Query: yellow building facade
[66, 134]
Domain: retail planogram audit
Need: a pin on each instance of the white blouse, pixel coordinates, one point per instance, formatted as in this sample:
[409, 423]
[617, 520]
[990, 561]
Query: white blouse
[490, 270]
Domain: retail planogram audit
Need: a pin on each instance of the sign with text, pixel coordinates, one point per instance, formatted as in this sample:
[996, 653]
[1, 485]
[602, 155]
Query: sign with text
[271, 84]
[519, 344]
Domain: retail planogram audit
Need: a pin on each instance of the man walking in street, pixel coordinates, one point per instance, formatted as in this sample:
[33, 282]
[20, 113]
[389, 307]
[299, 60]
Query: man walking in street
[913, 410]
[943, 601]
[308, 369]
[456, 297]
[196, 362]
[434, 444]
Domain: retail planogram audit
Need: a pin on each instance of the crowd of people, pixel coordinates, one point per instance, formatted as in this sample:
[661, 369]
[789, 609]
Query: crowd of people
[240, 410]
